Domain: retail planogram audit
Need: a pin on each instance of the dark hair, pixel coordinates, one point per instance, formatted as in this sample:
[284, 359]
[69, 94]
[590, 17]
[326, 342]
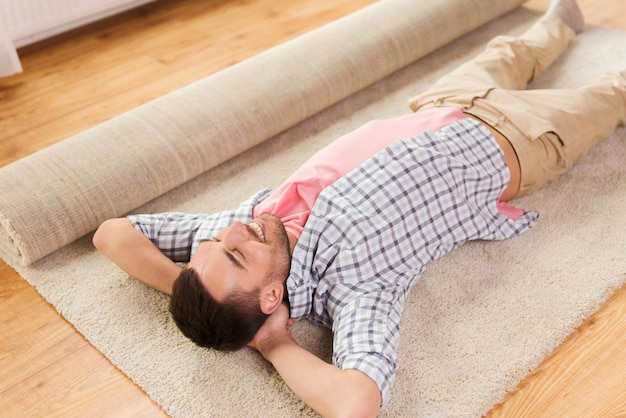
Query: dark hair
[226, 326]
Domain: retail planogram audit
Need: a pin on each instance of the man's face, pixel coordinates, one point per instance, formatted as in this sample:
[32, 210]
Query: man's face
[243, 256]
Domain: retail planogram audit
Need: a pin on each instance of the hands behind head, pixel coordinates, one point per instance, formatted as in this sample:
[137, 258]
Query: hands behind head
[274, 331]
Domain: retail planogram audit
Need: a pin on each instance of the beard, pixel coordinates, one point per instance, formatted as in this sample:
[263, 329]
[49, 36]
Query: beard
[278, 241]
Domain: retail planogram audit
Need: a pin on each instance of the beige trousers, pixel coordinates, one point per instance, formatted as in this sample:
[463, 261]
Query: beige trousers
[550, 130]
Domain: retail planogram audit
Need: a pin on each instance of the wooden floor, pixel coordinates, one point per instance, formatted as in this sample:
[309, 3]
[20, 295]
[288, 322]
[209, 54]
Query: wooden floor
[80, 79]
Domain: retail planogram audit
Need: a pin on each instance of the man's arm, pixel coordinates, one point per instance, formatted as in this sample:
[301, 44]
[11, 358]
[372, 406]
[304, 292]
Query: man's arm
[329, 390]
[136, 254]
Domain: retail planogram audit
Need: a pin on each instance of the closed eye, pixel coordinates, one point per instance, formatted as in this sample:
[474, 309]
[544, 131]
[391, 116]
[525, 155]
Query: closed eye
[230, 254]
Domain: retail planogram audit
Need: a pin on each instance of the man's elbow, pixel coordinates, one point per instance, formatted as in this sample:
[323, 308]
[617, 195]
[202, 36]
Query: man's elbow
[99, 238]
[365, 406]
[363, 398]
[362, 409]
[108, 232]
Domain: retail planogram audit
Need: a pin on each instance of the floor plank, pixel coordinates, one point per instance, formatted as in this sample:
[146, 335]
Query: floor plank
[48, 369]
[584, 377]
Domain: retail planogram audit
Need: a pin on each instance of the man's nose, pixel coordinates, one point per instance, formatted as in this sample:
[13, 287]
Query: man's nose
[236, 234]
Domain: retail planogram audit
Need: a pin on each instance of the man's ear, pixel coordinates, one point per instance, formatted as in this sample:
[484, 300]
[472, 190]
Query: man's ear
[271, 296]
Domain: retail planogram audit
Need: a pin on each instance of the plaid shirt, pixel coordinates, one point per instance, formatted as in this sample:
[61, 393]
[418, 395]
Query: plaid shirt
[371, 235]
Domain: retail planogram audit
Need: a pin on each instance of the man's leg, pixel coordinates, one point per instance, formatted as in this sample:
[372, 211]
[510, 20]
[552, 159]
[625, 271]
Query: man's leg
[507, 63]
[552, 130]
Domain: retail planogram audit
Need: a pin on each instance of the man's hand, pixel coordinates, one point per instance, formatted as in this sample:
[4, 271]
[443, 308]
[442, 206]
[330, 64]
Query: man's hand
[275, 329]
[329, 390]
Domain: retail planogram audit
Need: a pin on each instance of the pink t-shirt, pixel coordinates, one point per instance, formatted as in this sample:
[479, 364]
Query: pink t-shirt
[292, 200]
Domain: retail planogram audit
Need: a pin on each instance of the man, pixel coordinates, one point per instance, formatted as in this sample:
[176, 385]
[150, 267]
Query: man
[343, 240]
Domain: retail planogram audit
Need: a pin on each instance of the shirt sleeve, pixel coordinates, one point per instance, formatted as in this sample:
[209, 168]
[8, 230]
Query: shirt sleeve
[366, 335]
[171, 232]
[178, 234]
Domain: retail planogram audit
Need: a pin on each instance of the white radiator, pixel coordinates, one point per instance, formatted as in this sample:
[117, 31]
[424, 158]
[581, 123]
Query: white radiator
[23, 22]
[9, 61]
[29, 21]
